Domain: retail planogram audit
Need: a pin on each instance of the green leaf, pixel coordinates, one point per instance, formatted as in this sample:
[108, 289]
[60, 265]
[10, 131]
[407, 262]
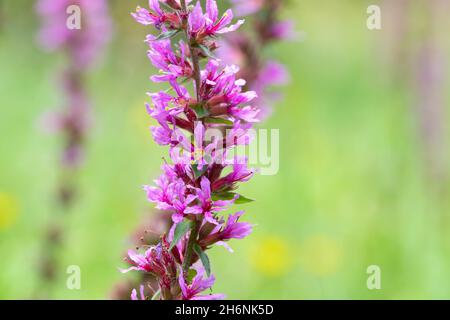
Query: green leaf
[167, 34]
[230, 195]
[198, 173]
[223, 196]
[219, 121]
[243, 200]
[180, 230]
[207, 52]
[204, 258]
[200, 110]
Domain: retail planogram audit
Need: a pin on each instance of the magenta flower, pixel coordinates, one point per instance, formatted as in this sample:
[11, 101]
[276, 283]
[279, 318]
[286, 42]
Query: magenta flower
[203, 25]
[207, 206]
[140, 262]
[155, 16]
[156, 260]
[171, 65]
[240, 173]
[198, 285]
[247, 113]
[180, 201]
[222, 85]
[231, 230]
[134, 295]
[161, 111]
[161, 194]
[162, 135]
[234, 229]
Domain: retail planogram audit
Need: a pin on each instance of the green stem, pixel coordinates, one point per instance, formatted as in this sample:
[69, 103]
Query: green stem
[197, 78]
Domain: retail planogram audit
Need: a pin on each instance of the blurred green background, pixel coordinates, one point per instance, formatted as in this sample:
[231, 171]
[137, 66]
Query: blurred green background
[352, 190]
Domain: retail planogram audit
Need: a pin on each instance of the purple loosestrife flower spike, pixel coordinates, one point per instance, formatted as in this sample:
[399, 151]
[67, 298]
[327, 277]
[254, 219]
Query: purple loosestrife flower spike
[201, 131]
[82, 46]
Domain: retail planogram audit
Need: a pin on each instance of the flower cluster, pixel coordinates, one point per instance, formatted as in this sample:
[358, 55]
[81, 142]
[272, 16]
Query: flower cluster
[202, 125]
[246, 48]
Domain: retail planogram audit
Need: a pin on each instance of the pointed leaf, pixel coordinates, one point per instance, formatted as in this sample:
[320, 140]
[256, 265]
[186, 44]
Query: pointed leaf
[230, 195]
[180, 230]
[223, 196]
[167, 35]
[200, 110]
[243, 200]
[198, 173]
[219, 121]
[204, 258]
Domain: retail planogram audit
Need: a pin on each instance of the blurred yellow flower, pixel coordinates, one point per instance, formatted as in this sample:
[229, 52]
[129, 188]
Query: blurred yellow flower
[320, 255]
[8, 210]
[271, 256]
